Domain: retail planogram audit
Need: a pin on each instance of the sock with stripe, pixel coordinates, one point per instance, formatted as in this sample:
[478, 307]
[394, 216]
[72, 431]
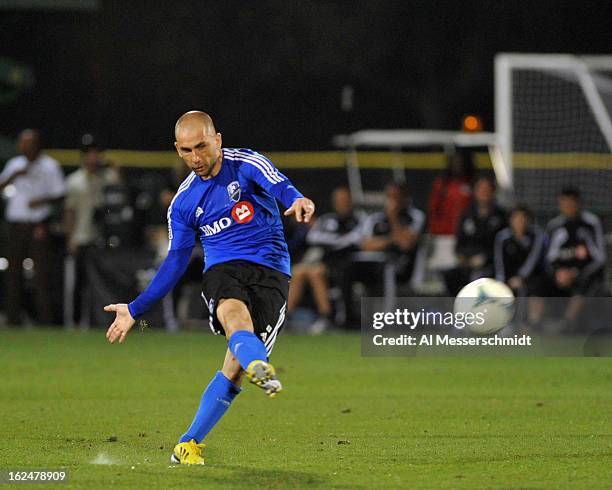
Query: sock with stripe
[247, 347]
[215, 401]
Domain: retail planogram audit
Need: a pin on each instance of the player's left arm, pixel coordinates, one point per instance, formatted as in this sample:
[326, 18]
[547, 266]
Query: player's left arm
[266, 175]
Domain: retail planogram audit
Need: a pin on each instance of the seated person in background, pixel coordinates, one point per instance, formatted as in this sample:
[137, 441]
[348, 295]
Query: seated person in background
[332, 238]
[518, 260]
[450, 195]
[475, 237]
[576, 254]
[396, 230]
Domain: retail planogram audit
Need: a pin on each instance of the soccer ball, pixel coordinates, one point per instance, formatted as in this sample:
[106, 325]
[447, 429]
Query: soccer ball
[486, 306]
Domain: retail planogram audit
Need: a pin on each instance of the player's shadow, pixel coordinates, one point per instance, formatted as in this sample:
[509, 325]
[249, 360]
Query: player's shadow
[232, 476]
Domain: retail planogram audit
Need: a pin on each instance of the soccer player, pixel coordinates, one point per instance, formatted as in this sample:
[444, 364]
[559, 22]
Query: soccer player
[229, 198]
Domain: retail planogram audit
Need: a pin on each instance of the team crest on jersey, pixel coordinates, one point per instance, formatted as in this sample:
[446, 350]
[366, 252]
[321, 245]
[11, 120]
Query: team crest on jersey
[243, 212]
[233, 190]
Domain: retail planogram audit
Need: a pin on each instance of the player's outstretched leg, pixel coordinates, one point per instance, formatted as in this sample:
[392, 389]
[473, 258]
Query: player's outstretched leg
[247, 347]
[215, 401]
[251, 354]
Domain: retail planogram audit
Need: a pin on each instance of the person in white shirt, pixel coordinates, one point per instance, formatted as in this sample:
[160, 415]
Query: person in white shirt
[84, 197]
[31, 183]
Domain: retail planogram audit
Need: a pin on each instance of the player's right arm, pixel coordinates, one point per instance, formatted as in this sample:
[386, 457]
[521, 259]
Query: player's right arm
[171, 270]
[263, 172]
[182, 239]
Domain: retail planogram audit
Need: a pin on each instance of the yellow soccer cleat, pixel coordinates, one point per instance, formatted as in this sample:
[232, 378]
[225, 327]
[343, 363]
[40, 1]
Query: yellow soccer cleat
[188, 453]
[262, 374]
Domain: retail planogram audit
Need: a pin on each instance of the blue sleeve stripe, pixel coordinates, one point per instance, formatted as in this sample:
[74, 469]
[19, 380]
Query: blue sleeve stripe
[269, 178]
[262, 164]
[184, 186]
[268, 165]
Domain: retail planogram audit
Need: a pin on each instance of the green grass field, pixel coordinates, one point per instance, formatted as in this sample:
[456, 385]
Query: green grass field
[343, 421]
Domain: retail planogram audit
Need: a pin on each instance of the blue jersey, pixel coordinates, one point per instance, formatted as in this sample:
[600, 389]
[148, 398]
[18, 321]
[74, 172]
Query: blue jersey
[234, 213]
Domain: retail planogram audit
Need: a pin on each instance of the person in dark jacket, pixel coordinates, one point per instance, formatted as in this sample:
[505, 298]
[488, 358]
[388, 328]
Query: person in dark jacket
[518, 258]
[575, 259]
[576, 253]
[331, 240]
[478, 227]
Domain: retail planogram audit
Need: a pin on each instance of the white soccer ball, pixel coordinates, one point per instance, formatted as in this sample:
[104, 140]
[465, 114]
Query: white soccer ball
[486, 306]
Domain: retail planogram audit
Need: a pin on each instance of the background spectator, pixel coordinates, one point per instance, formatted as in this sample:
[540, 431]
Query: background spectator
[576, 254]
[31, 182]
[396, 231]
[332, 239]
[518, 254]
[575, 257]
[476, 236]
[84, 198]
[450, 196]
[518, 260]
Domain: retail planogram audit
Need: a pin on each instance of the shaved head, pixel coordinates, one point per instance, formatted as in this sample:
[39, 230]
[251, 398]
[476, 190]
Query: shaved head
[194, 122]
[198, 143]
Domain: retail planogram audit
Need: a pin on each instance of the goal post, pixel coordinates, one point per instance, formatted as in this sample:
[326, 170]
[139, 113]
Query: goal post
[400, 141]
[553, 125]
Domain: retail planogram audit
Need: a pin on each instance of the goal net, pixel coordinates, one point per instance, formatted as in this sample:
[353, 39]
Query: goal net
[554, 127]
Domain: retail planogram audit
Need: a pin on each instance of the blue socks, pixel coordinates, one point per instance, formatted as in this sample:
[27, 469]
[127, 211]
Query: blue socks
[215, 401]
[247, 348]
[220, 393]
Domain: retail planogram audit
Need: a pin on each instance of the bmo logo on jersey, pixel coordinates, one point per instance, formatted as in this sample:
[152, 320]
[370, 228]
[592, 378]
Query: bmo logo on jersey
[216, 226]
[243, 212]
